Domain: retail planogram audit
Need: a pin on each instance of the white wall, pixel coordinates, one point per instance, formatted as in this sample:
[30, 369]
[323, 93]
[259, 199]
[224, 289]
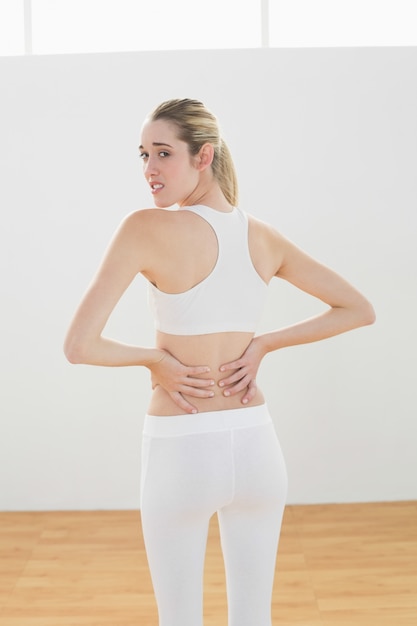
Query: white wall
[325, 144]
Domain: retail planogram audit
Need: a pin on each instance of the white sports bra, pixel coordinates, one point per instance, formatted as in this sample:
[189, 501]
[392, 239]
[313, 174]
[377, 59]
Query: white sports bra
[230, 298]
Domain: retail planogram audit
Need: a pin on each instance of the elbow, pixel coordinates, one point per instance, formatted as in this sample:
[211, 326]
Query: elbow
[74, 351]
[368, 315]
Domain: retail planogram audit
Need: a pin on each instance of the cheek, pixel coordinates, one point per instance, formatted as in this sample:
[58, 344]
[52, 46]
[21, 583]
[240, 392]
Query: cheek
[190, 171]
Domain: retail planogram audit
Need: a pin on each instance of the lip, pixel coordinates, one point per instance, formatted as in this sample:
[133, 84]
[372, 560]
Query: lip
[156, 187]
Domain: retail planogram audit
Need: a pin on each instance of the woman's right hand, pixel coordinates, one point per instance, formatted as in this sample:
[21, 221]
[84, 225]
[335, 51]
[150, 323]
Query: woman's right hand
[178, 380]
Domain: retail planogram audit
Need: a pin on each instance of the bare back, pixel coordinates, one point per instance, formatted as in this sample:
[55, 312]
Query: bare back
[189, 253]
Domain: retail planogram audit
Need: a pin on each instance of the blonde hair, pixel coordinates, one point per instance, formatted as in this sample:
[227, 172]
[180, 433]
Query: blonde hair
[196, 126]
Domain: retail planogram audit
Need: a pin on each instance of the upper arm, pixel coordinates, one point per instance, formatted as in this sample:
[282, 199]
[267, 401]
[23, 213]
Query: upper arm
[315, 278]
[124, 258]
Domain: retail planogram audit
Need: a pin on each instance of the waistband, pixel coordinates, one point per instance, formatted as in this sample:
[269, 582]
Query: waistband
[210, 421]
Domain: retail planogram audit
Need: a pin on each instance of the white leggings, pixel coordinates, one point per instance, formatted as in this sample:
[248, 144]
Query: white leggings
[192, 466]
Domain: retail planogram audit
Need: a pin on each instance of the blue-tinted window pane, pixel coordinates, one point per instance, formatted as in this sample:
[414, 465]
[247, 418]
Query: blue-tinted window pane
[121, 25]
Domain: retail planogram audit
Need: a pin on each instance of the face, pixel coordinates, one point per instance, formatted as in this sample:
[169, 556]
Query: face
[167, 164]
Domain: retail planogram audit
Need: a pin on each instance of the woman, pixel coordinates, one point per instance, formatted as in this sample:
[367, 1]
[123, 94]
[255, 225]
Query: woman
[208, 443]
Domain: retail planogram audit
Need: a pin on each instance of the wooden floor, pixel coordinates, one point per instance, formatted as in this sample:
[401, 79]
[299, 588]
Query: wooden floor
[344, 565]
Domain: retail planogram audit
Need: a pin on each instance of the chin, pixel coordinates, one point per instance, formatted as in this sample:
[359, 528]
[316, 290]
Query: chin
[161, 204]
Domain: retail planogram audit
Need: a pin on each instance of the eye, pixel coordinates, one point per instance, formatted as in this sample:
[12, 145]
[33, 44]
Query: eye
[163, 154]
[143, 155]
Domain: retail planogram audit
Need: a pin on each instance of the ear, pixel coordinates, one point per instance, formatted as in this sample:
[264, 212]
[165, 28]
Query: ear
[205, 156]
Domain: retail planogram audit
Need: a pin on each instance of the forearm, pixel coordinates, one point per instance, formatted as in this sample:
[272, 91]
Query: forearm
[328, 324]
[110, 353]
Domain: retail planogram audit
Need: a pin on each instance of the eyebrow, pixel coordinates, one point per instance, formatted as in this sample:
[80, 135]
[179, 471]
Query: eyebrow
[158, 144]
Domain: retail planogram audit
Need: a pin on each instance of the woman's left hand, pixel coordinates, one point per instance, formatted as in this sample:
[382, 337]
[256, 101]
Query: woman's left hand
[244, 374]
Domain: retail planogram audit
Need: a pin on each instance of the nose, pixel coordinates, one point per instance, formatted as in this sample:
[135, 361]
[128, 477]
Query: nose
[151, 168]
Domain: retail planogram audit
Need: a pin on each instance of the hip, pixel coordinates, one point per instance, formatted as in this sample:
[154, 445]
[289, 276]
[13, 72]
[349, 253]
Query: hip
[206, 421]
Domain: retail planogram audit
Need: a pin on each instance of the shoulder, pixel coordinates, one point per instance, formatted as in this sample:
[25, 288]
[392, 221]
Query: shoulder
[137, 235]
[162, 233]
[146, 226]
[268, 233]
[260, 227]
[149, 219]
[265, 233]
[276, 252]
[267, 246]
[144, 218]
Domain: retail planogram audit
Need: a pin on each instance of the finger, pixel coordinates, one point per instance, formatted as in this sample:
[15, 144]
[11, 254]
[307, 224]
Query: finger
[196, 392]
[198, 382]
[251, 392]
[234, 378]
[241, 385]
[182, 403]
[233, 365]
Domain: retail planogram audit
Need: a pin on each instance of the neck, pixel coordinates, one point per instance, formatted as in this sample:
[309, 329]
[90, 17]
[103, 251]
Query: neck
[211, 196]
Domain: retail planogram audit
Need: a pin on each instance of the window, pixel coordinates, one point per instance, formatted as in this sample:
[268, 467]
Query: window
[83, 26]
[12, 29]
[122, 25]
[333, 23]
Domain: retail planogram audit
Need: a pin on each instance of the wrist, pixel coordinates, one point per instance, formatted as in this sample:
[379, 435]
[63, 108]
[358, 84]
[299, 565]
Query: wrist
[268, 343]
[154, 356]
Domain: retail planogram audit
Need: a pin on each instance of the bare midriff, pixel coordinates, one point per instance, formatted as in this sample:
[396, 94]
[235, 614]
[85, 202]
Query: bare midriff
[211, 350]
